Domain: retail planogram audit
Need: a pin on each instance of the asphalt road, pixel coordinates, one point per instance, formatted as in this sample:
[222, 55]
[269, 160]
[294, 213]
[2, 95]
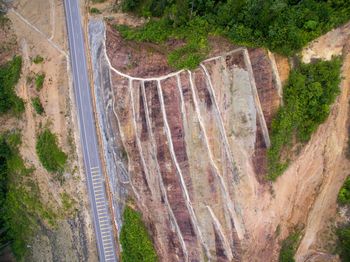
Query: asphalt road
[96, 187]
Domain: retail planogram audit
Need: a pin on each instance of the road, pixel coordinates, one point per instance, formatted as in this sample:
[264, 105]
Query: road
[95, 182]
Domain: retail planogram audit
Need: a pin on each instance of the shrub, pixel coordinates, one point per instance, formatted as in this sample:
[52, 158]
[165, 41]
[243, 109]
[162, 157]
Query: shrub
[38, 59]
[37, 105]
[94, 10]
[308, 95]
[20, 204]
[50, 155]
[289, 247]
[9, 76]
[39, 81]
[136, 243]
[68, 203]
[129, 5]
[282, 26]
[344, 193]
[343, 234]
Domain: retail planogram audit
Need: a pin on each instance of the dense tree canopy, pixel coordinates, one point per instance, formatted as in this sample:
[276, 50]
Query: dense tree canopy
[284, 26]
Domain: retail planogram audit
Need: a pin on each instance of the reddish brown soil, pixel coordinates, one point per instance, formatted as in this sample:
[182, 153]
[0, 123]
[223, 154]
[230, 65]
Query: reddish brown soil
[135, 59]
[260, 155]
[265, 85]
[150, 60]
[219, 45]
[173, 111]
[142, 119]
[168, 171]
[235, 59]
[137, 173]
[186, 89]
[200, 83]
[124, 113]
[270, 102]
[219, 248]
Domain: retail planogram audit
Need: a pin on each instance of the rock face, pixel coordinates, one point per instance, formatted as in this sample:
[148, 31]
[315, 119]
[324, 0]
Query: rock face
[196, 146]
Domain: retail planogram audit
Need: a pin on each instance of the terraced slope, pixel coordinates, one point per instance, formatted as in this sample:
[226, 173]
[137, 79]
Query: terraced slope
[190, 148]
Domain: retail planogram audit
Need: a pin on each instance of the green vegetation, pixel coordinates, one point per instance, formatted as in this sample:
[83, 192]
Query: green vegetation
[344, 193]
[136, 243]
[9, 76]
[98, 1]
[307, 97]
[37, 105]
[50, 155]
[343, 231]
[39, 81]
[94, 10]
[343, 246]
[188, 55]
[68, 203]
[38, 59]
[289, 247]
[20, 205]
[284, 26]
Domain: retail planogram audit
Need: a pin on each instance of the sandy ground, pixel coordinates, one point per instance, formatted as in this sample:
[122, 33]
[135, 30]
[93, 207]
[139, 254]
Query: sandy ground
[335, 164]
[328, 45]
[40, 29]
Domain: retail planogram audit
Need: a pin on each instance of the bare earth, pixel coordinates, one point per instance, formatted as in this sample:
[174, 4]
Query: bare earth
[40, 29]
[196, 145]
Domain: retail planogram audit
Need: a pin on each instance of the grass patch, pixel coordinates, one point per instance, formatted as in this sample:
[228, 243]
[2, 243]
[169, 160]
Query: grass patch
[20, 204]
[344, 193]
[38, 59]
[308, 95]
[98, 1]
[50, 155]
[68, 203]
[343, 245]
[136, 243]
[289, 247]
[9, 76]
[38, 107]
[39, 81]
[95, 10]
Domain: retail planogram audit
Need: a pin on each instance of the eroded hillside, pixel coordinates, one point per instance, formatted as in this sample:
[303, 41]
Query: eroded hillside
[190, 147]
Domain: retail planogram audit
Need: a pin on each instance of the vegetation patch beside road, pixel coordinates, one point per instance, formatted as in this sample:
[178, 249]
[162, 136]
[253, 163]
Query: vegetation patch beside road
[134, 238]
[38, 107]
[20, 204]
[9, 76]
[50, 154]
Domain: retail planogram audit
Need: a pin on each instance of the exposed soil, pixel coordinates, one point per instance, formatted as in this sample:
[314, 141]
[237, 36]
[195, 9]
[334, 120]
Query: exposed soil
[72, 239]
[9, 46]
[197, 155]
